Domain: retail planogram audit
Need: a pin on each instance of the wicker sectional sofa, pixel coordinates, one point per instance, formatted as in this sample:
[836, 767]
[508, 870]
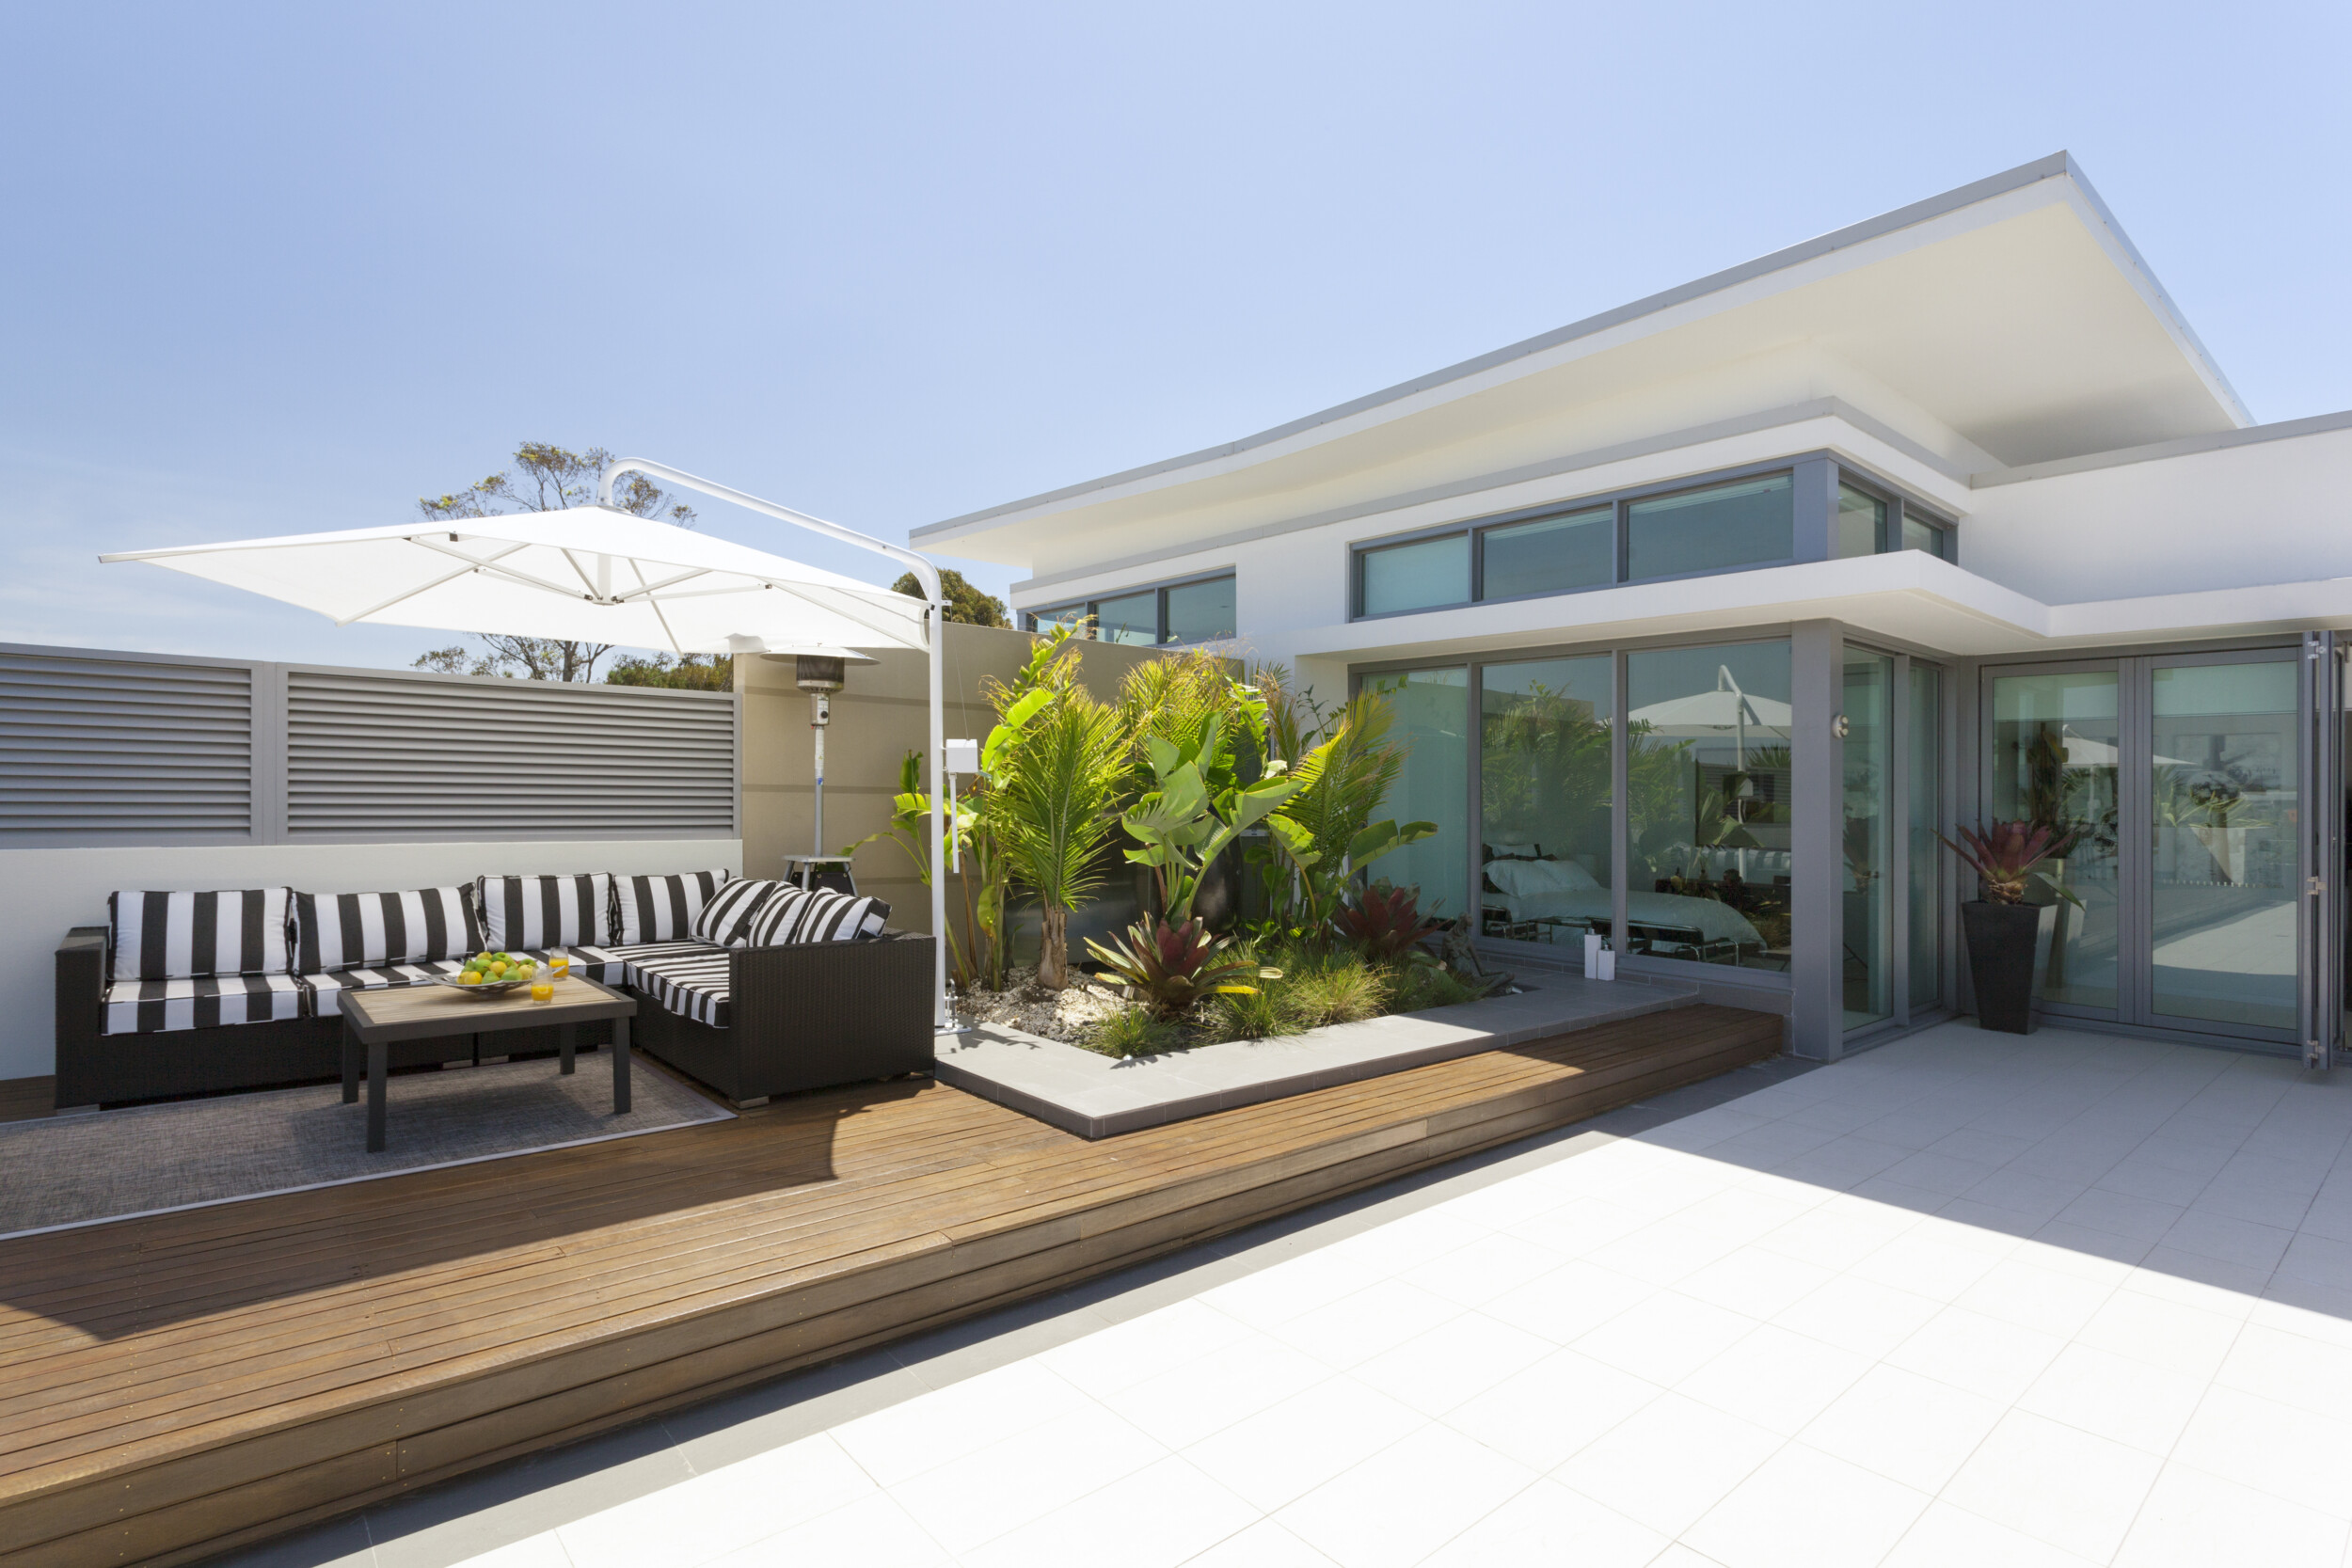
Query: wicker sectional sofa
[191, 994]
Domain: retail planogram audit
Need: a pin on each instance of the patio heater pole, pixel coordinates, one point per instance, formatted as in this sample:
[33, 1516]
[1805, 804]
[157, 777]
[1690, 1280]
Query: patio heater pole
[927, 576]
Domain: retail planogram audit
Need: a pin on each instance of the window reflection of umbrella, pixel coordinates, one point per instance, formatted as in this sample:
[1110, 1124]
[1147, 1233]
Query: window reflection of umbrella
[1726, 708]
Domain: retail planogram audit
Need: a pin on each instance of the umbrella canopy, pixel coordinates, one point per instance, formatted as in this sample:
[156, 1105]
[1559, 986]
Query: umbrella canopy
[594, 573]
[1705, 712]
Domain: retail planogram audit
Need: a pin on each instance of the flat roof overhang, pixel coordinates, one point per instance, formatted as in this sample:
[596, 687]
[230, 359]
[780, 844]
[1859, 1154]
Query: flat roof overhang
[1910, 598]
[2013, 312]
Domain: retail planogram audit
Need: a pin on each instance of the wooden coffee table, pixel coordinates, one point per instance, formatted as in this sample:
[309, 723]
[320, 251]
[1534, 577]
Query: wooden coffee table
[374, 1019]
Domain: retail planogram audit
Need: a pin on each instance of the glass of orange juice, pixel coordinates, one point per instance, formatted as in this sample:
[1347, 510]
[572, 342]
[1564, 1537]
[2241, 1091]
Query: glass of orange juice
[559, 963]
[543, 983]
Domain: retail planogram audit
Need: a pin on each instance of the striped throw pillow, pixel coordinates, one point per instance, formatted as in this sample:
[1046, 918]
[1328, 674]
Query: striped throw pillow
[780, 912]
[728, 915]
[180, 936]
[349, 930]
[545, 911]
[827, 917]
[662, 908]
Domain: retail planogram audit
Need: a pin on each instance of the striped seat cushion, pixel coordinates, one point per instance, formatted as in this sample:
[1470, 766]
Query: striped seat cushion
[353, 930]
[609, 966]
[729, 913]
[372, 977]
[692, 984]
[198, 1002]
[817, 917]
[662, 908]
[179, 936]
[545, 911]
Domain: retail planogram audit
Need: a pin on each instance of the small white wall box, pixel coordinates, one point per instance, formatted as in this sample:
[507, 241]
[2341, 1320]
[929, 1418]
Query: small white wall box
[963, 756]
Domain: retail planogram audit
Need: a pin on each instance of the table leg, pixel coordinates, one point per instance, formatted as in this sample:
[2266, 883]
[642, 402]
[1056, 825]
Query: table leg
[351, 1064]
[567, 1039]
[620, 1067]
[378, 1070]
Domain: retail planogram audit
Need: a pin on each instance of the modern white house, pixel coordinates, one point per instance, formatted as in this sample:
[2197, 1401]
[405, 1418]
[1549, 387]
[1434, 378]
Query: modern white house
[1704, 615]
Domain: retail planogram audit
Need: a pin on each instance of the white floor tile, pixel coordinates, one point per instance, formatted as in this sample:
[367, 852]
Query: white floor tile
[1186, 1404]
[1474, 1275]
[1549, 1525]
[712, 1514]
[1458, 1360]
[2195, 1520]
[1280, 1454]
[1263, 1544]
[533, 1551]
[1776, 1378]
[1859, 1315]
[2278, 1449]
[2054, 1300]
[922, 1433]
[1007, 1484]
[2115, 1397]
[1904, 1426]
[1158, 1517]
[1667, 1338]
[2311, 1373]
[1983, 1355]
[1669, 1463]
[2074, 1491]
[1274, 1297]
[1754, 1282]
[2185, 1340]
[1552, 1408]
[872, 1532]
[1570, 1301]
[1949, 1537]
[1804, 1509]
[1129, 1353]
[1405, 1501]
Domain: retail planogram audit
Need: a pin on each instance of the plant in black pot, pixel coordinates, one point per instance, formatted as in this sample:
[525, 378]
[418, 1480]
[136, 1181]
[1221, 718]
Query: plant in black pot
[2001, 928]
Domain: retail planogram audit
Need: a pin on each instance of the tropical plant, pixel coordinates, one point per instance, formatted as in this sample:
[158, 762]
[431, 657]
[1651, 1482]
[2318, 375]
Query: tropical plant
[1189, 817]
[910, 829]
[1174, 968]
[1054, 783]
[1345, 766]
[2006, 857]
[1385, 922]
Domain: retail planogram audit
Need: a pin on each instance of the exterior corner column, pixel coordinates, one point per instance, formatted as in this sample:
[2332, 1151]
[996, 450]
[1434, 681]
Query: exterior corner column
[1817, 824]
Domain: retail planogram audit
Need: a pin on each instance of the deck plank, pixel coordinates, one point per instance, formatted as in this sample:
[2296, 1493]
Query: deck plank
[183, 1382]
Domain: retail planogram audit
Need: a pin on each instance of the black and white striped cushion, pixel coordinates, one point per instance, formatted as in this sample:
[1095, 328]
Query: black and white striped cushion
[694, 985]
[781, 912]
[545, 911]
[662, 908]
[346, 930]
[179, 936]
[728, 915]
[822, 917]
[198, 1002]
[371, 977]
[609, 965]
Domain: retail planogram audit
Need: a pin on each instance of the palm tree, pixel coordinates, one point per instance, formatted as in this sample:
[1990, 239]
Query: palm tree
[1053, 809]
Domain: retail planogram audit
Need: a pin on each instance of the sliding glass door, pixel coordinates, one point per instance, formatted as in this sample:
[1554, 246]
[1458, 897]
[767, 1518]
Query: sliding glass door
[2177, 782]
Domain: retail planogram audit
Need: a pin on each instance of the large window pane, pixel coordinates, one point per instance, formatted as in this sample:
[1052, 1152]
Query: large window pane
[1432, 712]
[2225, 801]
[1201, 612]
[1134, 618]
[1707, 795]
[2053, 763]
[1072, 615]
[1918, 535]
[1706, 530]
[1551, 554]
[1544, 798]
[1868, 705]
[1926, 752]
[1861, 523]
[1419, 575]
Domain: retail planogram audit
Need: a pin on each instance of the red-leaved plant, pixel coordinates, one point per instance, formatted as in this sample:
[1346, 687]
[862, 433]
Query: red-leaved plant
[2007, 858]
[1385, 922]
[1173, 967]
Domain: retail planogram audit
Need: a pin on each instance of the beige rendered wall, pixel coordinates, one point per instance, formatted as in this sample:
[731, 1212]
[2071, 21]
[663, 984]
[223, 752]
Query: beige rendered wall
[878, 717]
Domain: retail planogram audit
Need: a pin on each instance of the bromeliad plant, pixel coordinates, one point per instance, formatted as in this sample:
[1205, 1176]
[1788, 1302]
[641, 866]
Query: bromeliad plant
[1174, 968]
[1386, 922]
[2007, 859]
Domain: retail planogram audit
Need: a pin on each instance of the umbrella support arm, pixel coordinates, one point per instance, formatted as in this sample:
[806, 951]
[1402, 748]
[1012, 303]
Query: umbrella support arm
[935, 629]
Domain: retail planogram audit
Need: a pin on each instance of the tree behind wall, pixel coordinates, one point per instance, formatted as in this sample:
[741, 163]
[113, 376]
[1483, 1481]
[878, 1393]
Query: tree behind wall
[966, 603]
[552, 478]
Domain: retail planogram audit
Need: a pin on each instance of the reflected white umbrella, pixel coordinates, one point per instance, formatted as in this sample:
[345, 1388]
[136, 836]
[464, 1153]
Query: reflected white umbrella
[598, 574]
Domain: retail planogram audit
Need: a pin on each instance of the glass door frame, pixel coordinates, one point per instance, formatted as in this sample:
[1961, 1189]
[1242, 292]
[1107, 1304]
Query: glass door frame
[1905, 1014]
[2134, 798]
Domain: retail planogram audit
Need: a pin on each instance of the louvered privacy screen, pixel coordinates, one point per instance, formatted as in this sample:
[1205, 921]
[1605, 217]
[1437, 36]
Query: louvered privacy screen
[101, 749]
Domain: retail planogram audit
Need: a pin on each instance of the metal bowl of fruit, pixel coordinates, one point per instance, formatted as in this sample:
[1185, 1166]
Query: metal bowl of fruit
[492, 971]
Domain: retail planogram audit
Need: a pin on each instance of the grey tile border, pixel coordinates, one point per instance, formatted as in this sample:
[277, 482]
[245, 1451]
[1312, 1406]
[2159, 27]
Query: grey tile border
[445, 1524]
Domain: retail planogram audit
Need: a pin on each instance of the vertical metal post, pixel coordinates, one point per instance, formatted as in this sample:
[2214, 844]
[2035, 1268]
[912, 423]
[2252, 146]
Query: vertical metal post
[1817, 857]
[2320, 852]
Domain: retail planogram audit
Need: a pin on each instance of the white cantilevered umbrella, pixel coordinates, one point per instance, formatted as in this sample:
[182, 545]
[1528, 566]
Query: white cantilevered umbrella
[600, 574]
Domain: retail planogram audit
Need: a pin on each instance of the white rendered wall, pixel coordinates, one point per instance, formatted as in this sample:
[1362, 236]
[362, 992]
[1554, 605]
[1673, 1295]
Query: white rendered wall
[50, 891]
[2267, 512]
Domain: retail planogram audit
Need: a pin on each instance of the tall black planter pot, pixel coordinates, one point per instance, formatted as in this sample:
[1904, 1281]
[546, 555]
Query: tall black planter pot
[2001, 939]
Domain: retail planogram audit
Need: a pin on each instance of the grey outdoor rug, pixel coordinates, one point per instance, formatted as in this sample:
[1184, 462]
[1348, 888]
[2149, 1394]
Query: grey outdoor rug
[82, 1170]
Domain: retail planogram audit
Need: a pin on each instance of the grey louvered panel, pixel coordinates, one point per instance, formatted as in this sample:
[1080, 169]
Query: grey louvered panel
[99, 750]
[394, 755]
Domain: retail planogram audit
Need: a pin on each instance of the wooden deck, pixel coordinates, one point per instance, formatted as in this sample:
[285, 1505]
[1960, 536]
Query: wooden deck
[179, 1385]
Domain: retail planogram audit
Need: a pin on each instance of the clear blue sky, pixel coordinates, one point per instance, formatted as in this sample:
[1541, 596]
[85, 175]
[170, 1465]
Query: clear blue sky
[276, 268]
